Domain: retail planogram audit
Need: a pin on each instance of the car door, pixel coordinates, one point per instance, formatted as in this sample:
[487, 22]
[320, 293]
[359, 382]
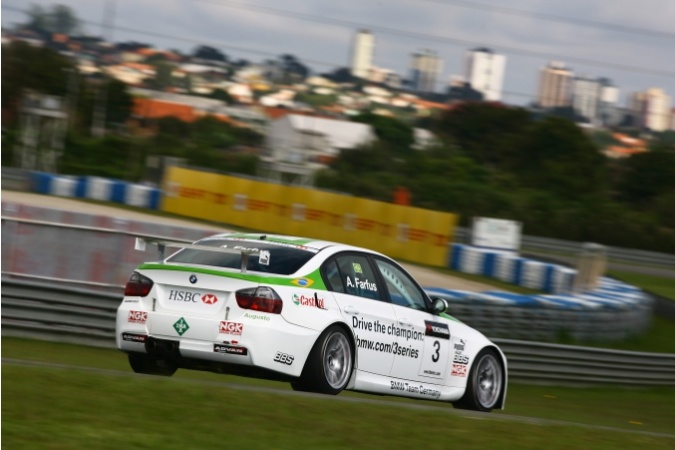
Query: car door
[361, 298]
[423, 348]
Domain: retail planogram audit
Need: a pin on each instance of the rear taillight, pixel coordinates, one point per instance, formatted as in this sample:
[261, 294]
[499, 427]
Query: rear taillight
[138, 285]
[261, 298]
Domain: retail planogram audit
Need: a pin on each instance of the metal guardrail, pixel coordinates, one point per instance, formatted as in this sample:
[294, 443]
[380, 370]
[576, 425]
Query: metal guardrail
[536, 244]
[87, 317]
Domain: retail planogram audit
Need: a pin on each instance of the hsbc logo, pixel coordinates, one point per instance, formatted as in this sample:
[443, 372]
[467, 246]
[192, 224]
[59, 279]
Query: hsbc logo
[209, 299]
[230, 328]
[194, 297]
[138, 316]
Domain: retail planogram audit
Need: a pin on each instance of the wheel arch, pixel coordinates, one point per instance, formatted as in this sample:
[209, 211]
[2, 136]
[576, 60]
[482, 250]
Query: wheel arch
[352, 340]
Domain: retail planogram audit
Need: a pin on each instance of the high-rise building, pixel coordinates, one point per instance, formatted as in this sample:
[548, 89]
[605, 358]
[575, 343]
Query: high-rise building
[555, 82]
[609, 113]
[362, 53]
[651, 108]
[485, 72]
[586, 97]
[425, 68]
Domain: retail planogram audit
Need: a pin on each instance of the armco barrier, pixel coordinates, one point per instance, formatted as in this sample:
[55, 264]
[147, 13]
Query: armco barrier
[84, 248]
[87, 317]
[613, 311]
[96, 188]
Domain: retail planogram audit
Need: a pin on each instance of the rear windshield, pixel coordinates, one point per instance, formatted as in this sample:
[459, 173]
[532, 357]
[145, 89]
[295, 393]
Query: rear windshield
[280, 259]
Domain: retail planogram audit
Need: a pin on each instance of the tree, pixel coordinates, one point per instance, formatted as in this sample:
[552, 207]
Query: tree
[163, 77]
[489, 133]
[397, 135]
[222, 95]
[119, 102]
[649, 175]
[209, 53]
[32, 68]
[59, 19]
[63, 20]
[38, 20]
[558, 157]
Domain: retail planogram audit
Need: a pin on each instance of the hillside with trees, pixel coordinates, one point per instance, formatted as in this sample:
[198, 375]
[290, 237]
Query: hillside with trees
[498, 161]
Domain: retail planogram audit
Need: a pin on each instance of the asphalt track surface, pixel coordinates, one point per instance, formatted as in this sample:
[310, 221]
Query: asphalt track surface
[425, 276]
[274, 391]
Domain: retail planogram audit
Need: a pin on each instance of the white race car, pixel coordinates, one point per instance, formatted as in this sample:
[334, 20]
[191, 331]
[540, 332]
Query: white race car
[322, 315]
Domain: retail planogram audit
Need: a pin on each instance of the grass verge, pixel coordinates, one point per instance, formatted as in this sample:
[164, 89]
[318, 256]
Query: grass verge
[664, 287]
[69, 408]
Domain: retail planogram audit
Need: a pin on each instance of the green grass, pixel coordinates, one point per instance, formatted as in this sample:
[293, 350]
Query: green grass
[63, 408]
[664, 287]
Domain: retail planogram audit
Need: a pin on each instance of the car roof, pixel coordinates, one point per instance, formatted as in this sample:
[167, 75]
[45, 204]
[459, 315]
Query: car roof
[301, 243]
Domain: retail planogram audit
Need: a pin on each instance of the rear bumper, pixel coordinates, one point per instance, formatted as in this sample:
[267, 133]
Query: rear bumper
[202, 346]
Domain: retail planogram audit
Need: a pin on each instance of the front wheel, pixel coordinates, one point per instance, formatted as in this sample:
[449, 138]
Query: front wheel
[485, 384]
[329, 365]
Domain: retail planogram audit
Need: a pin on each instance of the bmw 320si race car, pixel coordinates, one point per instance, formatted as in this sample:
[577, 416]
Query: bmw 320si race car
[322, 315]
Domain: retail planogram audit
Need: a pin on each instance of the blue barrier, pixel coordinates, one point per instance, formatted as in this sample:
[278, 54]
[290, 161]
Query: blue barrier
[96, 188]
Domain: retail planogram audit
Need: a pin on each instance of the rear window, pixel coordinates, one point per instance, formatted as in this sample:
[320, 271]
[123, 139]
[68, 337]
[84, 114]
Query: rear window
[281, 259]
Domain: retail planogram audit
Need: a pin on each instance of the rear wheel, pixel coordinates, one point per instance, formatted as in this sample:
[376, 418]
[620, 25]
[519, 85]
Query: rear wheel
[485, 383]
[329, 365]
[151, 366]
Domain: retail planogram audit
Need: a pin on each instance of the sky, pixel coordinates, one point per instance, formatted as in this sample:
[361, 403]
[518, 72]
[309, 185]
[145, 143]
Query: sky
[630, 42]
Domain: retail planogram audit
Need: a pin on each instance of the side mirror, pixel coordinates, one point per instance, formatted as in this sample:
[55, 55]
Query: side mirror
[440, 305]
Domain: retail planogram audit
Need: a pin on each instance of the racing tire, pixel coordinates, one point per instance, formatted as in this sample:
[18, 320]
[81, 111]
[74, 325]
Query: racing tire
[329, 366]
[485, 384]
[150, 366]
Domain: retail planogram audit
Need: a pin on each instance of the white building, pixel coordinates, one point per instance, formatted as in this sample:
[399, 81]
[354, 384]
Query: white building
[300, 139]
[485, 72]
[362, 54]
[652, 109]
[608, 105]
[425, 67]
[297, 146]
[555, 83]
[586, 97]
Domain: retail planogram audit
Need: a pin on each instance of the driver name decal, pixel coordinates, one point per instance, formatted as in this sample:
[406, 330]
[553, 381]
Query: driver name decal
[361, 284]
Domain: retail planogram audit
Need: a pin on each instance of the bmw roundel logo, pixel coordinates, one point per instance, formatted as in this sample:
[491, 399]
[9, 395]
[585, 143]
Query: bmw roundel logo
[193, 279]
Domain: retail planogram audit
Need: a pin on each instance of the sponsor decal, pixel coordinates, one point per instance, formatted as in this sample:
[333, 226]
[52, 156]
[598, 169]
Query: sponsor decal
[184, 296]
[460, 345]
[414, 388]
[437, 329]
[431, 372]
[209, 299]
[460, 359]
[181, 326]
[193, 279]
[362, 284]
[357, 268]
[256, 317]
[230, 327]
[131, 300]
[458, 370]
[230, 349]
[264, 257]
[138, 316]
[133, 337]
[306, 300]
[283, 358]
[303, 282]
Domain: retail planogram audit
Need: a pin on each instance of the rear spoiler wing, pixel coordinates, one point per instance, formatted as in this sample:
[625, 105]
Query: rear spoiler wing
[141, 243]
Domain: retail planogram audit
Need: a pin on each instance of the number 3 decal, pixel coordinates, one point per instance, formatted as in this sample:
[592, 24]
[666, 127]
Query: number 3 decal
[436, 355]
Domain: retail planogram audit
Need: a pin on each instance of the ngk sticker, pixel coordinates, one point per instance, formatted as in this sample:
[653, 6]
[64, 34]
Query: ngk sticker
[138, 316]
[231, 327]
[209, 299]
